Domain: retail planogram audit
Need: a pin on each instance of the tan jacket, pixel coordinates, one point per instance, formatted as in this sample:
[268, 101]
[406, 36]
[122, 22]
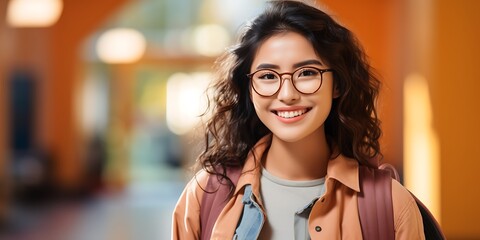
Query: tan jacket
[336, 213]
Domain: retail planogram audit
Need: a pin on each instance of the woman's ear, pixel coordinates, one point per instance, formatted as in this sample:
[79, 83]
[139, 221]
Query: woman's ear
[336, 91]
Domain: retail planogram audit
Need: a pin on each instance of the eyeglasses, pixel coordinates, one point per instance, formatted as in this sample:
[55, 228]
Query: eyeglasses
[306, 80]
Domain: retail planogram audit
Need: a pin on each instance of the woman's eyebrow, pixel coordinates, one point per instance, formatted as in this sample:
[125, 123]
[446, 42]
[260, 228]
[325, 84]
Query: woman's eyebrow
[267, 65]
[307, 62]
[296, 65]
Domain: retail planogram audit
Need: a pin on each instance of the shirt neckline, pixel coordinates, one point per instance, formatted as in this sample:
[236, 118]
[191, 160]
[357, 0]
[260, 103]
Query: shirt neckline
[292, 183]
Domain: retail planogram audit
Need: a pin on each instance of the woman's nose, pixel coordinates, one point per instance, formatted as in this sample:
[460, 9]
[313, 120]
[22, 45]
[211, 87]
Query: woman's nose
[288, 93]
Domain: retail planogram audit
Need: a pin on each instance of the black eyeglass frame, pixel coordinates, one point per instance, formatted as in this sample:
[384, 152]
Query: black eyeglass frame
[282, 80]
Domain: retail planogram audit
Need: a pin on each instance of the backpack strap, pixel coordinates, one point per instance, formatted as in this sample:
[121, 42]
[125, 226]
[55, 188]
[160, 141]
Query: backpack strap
[431, 228]
[391, 169]
[214, 200]
[375, 205]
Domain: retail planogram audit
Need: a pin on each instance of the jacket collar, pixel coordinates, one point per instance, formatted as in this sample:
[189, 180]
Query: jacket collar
[340, 168]
[344, 170]
[252, 169]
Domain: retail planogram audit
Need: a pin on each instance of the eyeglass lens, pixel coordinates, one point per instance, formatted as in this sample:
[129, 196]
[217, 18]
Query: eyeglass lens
[267, 82]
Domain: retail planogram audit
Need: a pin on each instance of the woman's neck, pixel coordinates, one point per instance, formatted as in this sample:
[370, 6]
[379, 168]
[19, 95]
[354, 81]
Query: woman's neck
[303, 160]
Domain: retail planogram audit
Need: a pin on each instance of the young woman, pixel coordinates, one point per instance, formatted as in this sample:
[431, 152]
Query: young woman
[294, 108]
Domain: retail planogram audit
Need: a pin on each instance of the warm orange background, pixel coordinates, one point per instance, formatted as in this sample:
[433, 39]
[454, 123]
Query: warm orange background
[385, 28]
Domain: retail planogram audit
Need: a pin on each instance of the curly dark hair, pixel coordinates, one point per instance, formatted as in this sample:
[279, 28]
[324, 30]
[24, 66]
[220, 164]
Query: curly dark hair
[352, 126]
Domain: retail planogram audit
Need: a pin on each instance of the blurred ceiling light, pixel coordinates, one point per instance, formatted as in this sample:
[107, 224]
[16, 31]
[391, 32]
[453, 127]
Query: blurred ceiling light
[33, 13]
[210, 40]
[186, 100]
[121, 45]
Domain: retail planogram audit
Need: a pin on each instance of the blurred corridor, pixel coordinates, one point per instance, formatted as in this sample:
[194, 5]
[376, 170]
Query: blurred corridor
[139, 212]
[100, 103]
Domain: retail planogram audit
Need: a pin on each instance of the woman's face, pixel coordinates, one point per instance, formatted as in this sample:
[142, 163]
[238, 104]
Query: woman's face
[290, 114]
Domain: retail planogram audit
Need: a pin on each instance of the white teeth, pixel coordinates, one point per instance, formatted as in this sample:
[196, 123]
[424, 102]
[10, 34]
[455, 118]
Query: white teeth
[290, 114]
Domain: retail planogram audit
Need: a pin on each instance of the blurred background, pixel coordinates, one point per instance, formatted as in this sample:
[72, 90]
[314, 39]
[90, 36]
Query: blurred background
[99, 105]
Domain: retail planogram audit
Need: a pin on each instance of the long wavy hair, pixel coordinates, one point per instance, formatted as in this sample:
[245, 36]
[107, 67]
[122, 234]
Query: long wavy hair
[352, 126]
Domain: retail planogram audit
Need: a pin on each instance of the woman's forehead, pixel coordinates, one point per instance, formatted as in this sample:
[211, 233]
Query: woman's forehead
[285, 50]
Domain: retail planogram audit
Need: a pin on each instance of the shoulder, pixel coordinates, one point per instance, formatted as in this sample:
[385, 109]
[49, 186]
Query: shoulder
[192, 194]
[186, 215]
[408, 220]
[194, 189]
[400, 195]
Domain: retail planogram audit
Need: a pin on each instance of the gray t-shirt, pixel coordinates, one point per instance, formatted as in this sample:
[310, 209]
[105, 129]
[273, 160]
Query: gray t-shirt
[288, 204]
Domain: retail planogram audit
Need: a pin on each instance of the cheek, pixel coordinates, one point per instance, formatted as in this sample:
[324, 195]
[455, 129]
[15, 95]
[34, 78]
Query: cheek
[261, 107]
[256, 103]
[251, 101]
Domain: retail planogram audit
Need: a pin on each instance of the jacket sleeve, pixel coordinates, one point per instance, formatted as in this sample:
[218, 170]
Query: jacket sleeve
[186, 215]
[408, 220]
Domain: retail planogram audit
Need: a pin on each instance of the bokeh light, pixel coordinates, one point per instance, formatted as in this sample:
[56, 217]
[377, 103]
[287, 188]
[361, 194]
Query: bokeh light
[121, 45]
[33, 13]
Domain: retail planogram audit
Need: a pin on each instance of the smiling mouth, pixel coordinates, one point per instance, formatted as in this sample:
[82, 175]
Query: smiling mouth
[291, 114]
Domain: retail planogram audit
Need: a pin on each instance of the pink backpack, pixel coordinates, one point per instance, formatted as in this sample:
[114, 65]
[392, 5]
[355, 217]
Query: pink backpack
[374, 204]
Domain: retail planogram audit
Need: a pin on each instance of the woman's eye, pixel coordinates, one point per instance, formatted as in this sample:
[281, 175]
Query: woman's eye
[268, 76]
[309, 73]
